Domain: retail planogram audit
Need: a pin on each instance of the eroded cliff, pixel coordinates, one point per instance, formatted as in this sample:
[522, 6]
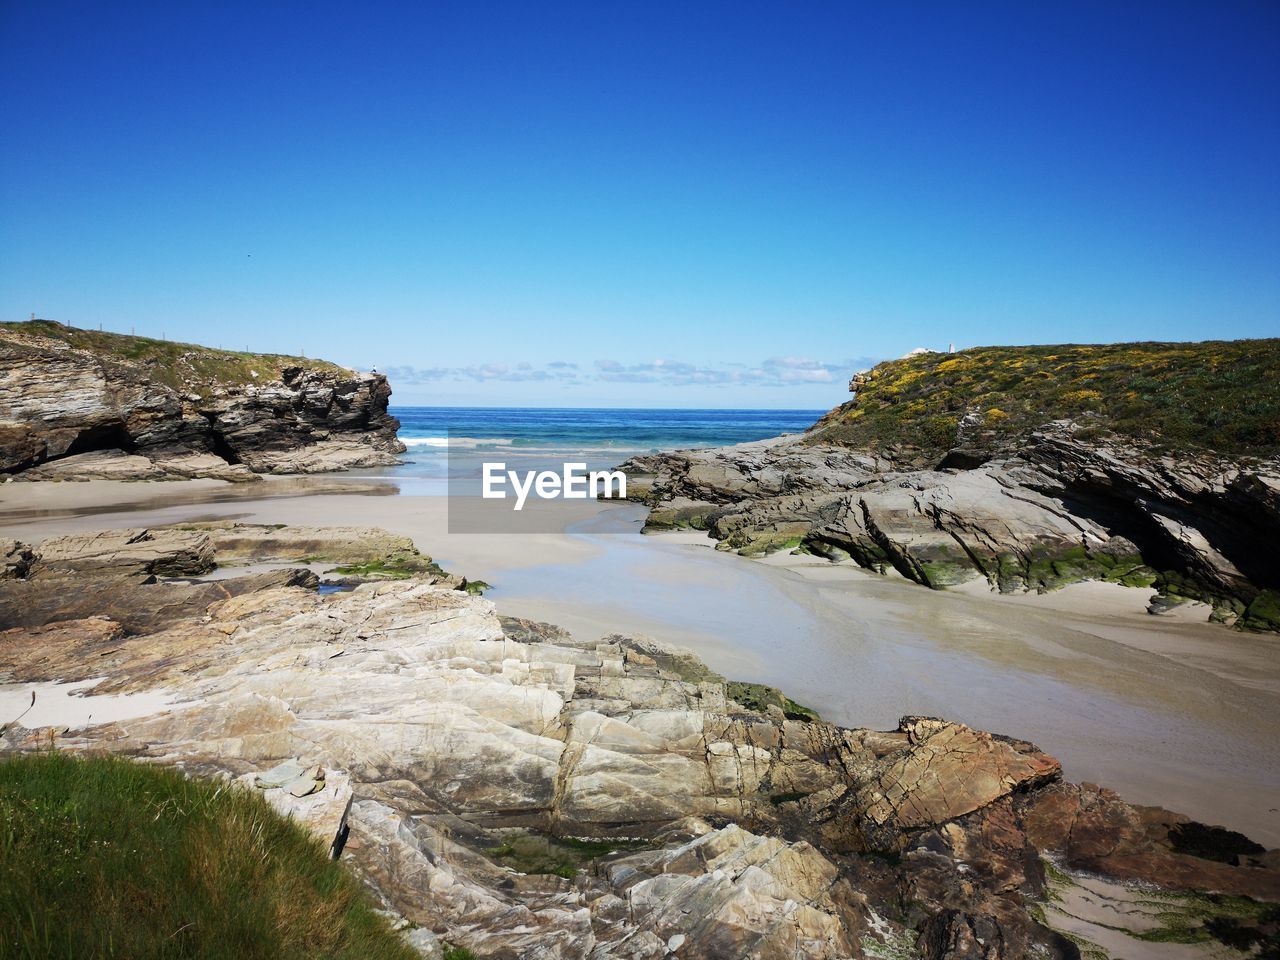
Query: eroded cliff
[80, 403]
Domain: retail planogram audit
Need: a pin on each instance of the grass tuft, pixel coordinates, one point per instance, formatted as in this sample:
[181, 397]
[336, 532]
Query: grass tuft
[103, 857]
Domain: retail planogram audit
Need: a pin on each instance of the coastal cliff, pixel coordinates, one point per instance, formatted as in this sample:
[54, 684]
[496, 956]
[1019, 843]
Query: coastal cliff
[76, 404]
[1146, 464]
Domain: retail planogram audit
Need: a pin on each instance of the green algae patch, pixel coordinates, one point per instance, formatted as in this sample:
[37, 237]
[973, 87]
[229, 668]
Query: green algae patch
[748, 543]
[888, 942]
[1263, 613]
[938, 573]
[1204, 918]
[1045, 570]
[1150, 915]
[528, 852]
[759, 698]
[101, 856]
[682, 518]
[392, 568]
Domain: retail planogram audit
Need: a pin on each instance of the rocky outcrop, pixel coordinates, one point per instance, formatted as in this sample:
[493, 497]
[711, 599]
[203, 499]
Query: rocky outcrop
[118, 465]
[319, 800]
[81, 404]
[251, 542]
[1063, 508]
[147, 579]
[672, 813]
[1146, 464]
[127, 552]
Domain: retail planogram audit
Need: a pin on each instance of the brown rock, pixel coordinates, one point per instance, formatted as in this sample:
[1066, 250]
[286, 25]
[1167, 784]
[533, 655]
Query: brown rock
[168, 552]
[945, 771]
[15, 559]
[457, 728]
[1098, 832]
[138, 605]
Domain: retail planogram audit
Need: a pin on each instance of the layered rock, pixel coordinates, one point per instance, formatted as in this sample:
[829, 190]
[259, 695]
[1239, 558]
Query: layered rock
[715, 821]
[1064, 507]
[145, 579]
[1147, 464]
[81, 404]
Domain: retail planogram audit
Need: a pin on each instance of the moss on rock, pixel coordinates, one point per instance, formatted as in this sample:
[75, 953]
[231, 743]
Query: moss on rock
[759, 698]
[526, 851]
[1263, 613]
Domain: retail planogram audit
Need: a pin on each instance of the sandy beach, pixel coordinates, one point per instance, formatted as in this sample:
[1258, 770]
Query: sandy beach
[1170, 710]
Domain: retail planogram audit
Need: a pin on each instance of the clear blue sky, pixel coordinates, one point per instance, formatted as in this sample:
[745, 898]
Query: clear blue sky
[684, 204]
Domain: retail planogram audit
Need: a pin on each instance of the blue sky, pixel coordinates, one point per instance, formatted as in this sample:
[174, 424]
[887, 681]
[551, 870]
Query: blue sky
[644, 204]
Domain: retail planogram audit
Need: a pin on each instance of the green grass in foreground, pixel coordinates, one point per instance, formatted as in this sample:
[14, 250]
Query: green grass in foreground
[101, 857]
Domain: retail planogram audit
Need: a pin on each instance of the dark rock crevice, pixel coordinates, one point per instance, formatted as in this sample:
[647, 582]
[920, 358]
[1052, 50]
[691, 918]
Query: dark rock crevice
[106, 436]
[219, 445]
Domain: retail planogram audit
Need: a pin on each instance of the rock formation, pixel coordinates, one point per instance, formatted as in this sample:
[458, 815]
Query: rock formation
[892, 483]
[78, 404]
[529, 794]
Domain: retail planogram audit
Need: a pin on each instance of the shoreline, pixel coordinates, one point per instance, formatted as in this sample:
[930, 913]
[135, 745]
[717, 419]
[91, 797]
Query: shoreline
[1166, 711]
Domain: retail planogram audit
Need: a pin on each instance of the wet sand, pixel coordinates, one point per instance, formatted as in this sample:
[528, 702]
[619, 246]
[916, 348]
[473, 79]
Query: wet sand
[1167, 710]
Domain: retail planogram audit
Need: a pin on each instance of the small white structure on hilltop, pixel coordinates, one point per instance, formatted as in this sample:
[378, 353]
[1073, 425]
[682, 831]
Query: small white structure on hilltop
[951, 348]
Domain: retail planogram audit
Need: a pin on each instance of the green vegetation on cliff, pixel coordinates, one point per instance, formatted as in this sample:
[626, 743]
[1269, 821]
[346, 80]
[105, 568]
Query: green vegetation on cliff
[1222, 396]
[186, 367]
[102, 857]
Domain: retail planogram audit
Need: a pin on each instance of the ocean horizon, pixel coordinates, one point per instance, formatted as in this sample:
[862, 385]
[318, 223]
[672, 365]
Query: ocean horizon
[453, 441]
[590, 430]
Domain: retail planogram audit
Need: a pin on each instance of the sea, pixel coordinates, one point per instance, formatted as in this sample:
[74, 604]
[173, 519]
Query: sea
[540, 438]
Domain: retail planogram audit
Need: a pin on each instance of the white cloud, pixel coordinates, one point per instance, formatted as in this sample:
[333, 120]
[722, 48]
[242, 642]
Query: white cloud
[786, 371]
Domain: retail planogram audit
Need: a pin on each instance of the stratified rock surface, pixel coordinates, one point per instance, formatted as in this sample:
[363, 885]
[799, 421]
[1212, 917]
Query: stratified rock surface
[671, 818]
[1051, 508]
[82, 404]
